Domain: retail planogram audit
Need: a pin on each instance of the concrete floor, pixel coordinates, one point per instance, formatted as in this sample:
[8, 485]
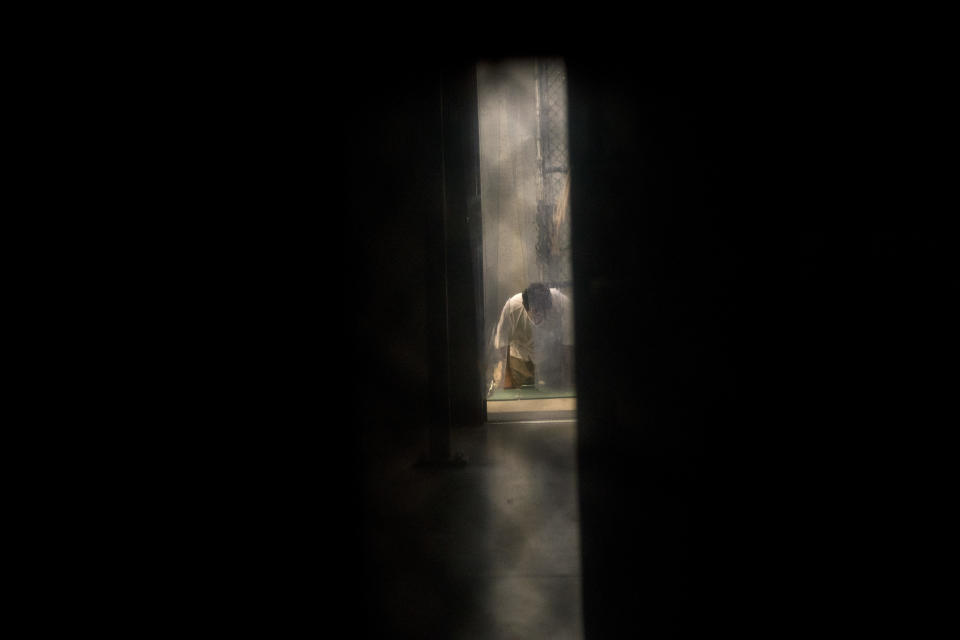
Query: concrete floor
[486, 551]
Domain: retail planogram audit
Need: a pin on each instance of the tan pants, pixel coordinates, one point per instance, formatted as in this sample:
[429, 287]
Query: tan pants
[519, 373]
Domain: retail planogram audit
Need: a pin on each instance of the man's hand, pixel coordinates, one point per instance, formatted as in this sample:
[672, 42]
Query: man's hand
[496, 381]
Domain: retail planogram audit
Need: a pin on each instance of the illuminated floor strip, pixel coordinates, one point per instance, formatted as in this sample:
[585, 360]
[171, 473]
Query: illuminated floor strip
[533, 421]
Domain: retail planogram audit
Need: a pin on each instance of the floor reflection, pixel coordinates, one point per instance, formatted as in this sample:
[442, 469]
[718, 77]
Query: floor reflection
[532, 567]
[484, 551]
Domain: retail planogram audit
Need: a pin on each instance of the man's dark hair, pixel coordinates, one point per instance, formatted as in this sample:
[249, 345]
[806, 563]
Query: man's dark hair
[537, 294]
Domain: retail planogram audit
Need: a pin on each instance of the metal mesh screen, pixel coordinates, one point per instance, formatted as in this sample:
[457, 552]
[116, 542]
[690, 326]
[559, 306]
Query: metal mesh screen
[553, 225]
[553, 128]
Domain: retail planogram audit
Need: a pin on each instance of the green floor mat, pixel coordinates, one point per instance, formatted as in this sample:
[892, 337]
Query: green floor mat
[530, 393]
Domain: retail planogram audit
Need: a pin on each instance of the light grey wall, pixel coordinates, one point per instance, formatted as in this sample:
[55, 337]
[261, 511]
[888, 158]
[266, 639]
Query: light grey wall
[509, 174]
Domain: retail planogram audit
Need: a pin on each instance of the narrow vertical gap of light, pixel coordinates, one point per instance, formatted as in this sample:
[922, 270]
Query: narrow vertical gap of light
[532, 550]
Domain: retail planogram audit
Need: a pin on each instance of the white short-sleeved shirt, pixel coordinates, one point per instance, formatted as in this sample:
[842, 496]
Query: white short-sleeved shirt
[528, 341]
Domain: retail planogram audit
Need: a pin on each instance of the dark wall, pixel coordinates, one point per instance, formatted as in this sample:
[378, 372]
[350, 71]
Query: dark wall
[656, 264]
[298, 348]
[756, 270]
[393, 192]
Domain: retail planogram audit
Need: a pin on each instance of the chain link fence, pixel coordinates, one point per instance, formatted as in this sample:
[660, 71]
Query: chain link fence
[553, 215]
